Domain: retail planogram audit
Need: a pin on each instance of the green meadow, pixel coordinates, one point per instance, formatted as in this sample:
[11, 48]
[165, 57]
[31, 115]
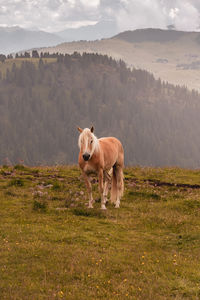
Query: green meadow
[54, 247]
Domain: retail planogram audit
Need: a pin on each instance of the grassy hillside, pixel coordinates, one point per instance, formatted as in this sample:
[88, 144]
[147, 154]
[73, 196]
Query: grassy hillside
[157, 51]
[53, 247]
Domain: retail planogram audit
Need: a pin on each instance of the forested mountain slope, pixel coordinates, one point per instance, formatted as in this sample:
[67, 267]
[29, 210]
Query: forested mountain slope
[42, 102]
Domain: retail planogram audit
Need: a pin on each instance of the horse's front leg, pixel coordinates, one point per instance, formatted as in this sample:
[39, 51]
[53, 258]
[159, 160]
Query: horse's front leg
[105, 191]
[101, 189]
[89, 189]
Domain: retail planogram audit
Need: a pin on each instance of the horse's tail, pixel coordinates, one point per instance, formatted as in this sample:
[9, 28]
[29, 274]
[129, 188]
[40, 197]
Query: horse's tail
[113, 195]
[120, 176]
[117, 187]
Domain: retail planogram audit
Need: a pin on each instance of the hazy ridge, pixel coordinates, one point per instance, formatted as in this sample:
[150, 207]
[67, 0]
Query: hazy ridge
[14, 39]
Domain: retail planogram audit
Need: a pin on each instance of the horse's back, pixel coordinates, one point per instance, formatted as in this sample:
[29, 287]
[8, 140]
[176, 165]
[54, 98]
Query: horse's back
[111, 142]
[113, 150]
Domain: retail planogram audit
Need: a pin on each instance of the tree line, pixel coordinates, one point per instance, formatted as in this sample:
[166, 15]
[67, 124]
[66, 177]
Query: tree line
[26, 54]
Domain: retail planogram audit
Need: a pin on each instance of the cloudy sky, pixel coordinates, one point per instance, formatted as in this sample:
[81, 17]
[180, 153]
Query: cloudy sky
[56, 15]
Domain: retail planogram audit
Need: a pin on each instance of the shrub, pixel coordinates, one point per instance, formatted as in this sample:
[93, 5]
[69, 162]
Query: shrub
[16, 182]
[57, 186]
[40, 205]
[20, 167]
[88, 212]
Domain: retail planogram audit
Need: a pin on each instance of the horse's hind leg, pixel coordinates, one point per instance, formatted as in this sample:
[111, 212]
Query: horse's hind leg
[105, 194]
[108, 177]
[89, 189]
[120, 184]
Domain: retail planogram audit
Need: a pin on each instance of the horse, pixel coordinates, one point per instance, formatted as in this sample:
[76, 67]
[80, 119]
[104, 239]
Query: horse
[104, 157]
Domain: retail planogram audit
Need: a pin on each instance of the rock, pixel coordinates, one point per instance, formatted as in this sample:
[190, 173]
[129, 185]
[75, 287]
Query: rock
[39, 193]
[48, 186]
[41, 187]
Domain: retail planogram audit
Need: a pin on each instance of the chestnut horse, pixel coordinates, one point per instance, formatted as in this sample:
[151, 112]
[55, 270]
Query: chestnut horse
[105, 157]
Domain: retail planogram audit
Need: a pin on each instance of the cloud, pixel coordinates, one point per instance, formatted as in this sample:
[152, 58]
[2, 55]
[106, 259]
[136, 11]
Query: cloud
[55, 15]
[89, 3]
[173, 12]
[186, 17]
[49, 15]
[184, 14]
[140, 14]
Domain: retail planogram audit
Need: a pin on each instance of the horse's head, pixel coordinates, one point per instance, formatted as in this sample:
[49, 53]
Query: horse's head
[87, 142]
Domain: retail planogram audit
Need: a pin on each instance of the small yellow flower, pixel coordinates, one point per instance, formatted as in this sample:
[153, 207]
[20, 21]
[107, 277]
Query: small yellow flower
[125, 280]
[60, 294]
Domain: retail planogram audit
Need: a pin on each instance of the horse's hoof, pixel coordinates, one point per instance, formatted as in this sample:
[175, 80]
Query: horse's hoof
[90, 206]
[116, 206]
[103, 207]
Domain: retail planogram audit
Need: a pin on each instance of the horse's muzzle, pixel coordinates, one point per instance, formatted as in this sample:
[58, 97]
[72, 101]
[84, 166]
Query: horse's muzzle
[86, 156]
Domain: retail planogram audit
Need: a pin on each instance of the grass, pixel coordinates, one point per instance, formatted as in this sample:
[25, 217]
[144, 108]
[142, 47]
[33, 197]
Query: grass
[54, 247]
[18, 61]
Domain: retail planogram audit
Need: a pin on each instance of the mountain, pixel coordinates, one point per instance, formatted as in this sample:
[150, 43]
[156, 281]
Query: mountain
[103, 29]
[43, 101]
[173, 56]
[14, 39]
[151, 35]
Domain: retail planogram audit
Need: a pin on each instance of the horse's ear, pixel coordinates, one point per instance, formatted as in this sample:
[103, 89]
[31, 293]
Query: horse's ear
[92, 129]
[80, 129]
